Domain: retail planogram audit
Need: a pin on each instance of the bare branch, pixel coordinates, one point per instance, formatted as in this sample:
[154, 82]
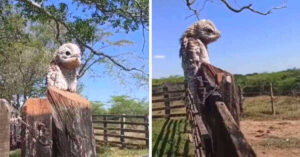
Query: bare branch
[70, 30]
[58, 32]
[189, 5]
[249, 7]
[83, 70]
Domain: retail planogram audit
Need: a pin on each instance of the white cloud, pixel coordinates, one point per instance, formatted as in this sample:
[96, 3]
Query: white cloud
[159, 57]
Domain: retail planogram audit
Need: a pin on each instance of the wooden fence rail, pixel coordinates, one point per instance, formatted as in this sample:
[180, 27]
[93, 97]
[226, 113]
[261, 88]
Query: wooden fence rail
[215, 130]
[122, 124]
[167, 94]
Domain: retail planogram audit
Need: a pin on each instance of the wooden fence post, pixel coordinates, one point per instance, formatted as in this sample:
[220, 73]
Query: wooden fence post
[146, 129]
[272, 98]
[166, 101]
[4, 127]
[105, 130]
[122, 131]
[240, 89]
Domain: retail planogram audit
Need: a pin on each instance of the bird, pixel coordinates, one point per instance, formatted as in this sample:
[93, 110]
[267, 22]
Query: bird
[193, 48]
[64, 67]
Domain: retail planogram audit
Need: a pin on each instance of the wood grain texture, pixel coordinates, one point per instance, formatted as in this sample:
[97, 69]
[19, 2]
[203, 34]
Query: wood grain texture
[72, 128]
[37, 133]
[4, 128]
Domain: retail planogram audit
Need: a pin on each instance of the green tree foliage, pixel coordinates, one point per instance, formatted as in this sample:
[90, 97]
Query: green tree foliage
[170, 79]
[85, 24]
[31, 30]
[256, 83]
[126, 105]
[21, 50]
[98, 108]
[283, 82]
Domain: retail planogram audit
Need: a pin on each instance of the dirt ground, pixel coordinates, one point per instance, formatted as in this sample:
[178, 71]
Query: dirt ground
[273, 138]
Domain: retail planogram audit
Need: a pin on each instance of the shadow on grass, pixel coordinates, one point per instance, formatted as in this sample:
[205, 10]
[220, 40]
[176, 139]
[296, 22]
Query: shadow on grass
[172, 140]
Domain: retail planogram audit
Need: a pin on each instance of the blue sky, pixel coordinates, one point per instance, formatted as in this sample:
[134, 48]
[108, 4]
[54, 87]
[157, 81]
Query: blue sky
[104, 86]
[249, 42]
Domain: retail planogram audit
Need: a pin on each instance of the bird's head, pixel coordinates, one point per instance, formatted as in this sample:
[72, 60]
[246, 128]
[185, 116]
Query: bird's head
[68, 55]
[206, 31]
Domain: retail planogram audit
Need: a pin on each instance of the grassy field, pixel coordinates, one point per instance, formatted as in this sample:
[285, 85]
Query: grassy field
[259, 108]
[105, 151]
[171, 138]
[272, 135]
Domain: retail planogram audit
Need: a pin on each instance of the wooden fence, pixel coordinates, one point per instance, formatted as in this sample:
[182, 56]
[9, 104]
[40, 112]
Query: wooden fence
[168, 100]
[112, 127]
[215, 131]
[214, 115]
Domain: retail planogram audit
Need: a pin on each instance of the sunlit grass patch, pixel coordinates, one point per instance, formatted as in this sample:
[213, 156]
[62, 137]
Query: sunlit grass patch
[280, 142]
[106, 151]
[171, 138]
[259, 108]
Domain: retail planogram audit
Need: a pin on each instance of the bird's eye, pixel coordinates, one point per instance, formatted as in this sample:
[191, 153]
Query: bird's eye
[68, 53]
[209, 30]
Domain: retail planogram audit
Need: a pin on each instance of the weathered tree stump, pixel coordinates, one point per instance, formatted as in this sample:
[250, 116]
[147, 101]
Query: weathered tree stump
[217, 80]
[37, 128]
[15, 129]
[4, 128]
[220, 109]
[228, 140]
[72, 128]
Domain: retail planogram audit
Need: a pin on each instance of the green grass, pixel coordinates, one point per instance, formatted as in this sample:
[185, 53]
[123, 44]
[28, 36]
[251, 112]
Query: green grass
[15, 153]
[171, 138]
[281, 143]
[259, 108]
[106, 151]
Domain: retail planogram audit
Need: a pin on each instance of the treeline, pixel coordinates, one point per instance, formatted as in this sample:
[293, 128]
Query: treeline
[284, 82]
[121, 105]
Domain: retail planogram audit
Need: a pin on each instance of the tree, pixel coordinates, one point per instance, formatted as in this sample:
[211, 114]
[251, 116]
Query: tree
[126, 105]
[190, 3]
[98, 108]
[127, 15]
[30, 31]
[21, 49]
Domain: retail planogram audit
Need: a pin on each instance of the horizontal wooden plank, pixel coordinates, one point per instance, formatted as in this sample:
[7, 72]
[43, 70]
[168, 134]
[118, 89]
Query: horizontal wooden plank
[170, 99]
[171, 115]
[117, 142]
[171, 107]
[119, 129]
[114, 135]
[116, 122]
[126, 116]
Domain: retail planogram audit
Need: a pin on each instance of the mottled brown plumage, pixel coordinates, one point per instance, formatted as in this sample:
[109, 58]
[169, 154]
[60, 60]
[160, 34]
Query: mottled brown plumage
[193, 49]
[62, 72]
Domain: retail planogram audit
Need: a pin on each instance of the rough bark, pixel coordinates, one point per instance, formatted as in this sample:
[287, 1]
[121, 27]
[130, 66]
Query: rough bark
[72, 124]
[216, 80]
[37, 128]
[4, 128]
[228, 140]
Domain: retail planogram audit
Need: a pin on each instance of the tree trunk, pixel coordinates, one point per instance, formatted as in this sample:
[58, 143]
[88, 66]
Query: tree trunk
[72, 128]
[4, 128]
[37, 130]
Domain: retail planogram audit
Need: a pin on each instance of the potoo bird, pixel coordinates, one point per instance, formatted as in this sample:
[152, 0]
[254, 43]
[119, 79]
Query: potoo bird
[63, 69]
[193, 49]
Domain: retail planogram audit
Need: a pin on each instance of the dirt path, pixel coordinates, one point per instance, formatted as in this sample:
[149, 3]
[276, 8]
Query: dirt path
[275, 138]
